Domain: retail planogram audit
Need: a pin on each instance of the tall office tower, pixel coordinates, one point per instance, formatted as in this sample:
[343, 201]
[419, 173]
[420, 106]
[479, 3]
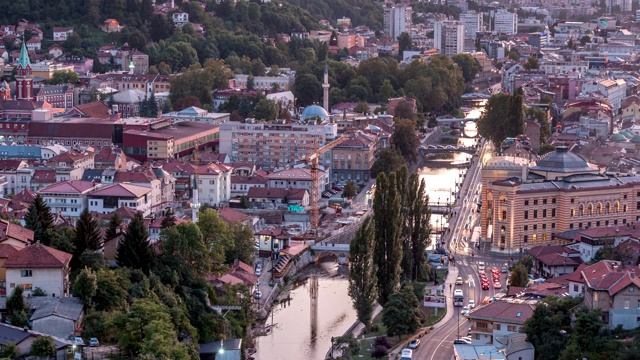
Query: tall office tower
[473, 22]
[448, 37]
[505, 22]
[397, 19]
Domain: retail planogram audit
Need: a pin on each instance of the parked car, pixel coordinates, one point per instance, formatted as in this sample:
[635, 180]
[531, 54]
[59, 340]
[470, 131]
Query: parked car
[257, 295]
[414, 344]
[462, 341]
[78, 341]
[465, 311]
[258, 271]
[93, 342]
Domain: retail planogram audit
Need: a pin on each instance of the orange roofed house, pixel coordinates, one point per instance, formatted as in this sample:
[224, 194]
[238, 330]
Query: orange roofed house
[39, 266]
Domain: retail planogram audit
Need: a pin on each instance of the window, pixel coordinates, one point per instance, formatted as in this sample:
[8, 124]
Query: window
[626, 304]
[544, 213]
[553, 213]
[535, 202]
[526, 227]
[575, 288]
[526, 202]
[631, 289]
[544, 201]
[498, 326]
[525, 239]
[535, 227]
[595, 296]
[27, 287]
[535, 237]
[526, 214]
[535, 214]
[26, 273]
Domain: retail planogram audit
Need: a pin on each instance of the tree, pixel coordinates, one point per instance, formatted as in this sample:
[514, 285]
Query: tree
[110, 290]
[63, 77]
[266, 109]
[307, 89]
[362, 108]
[183, 251]
[502, 118]
[404, 43]
[404, 139]
[585, 40]
[168, 220]
[152, 106]
[389, 160]
[216, 235]
[519, 276]
[401, 314]
[350, 190]
[532, 63]
[416, 228]
[113, 227]
[88, 236]
[85, 286]
[40, 221]
[469, 65]
[546, 148]
[10, 351]
[199, 81]
[43, 346]
[388, 229]
[134, 250]
[243, 244]
[588, 340]
[17, 308]
[386, 92]
[362, 281]
[404, 110]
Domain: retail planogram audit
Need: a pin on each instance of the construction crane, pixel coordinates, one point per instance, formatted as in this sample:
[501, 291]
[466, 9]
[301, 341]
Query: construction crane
[313, 160]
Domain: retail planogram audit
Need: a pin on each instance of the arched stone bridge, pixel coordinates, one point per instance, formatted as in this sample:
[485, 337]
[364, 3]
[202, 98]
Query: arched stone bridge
[338, 245]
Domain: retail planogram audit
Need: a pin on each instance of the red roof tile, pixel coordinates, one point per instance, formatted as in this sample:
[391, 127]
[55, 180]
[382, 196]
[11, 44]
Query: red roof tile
[7, 250]
[230, 215]
[68, 187]
[122, 190]
[504, 311]
[38, 256]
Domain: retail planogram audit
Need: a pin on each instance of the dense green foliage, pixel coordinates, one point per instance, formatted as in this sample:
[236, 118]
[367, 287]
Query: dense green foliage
[17, 308]
[362, 281]
[43, 346]
[88, 237]
[388, 160]
[404, 139]
[401, 314]
[519, 276]
[502, 118]
[134, 250]
[40, 221]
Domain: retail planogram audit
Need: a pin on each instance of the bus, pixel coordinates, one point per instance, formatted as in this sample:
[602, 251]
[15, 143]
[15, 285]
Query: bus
[458, 298]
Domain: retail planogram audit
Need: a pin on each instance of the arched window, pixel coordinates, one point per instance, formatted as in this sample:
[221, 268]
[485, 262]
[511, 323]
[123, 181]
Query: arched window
[590, 209]
[581, 210]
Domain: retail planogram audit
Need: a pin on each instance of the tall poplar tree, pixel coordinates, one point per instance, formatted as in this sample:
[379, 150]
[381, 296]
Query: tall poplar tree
[362, 280]
[388, 229]
[134, 250]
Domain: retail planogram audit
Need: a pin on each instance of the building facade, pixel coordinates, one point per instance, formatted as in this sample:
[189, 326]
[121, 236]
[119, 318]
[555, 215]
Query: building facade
[353, 159]
[523, 205]
[448, 37]
[505, 22]
[473, 22]
[397, 19]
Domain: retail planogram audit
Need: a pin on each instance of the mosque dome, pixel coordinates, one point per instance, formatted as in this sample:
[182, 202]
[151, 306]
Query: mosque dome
[618, 138]
[314, 111]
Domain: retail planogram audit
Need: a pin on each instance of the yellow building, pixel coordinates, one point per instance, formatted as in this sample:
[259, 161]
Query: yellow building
[524, 204]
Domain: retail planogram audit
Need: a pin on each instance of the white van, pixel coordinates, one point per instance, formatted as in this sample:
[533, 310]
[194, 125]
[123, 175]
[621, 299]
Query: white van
[481, 266]
[407, 354]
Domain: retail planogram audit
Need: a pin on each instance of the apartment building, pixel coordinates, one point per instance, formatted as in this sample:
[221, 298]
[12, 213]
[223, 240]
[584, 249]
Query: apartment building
[397, 19]
[612, 90]
[448, 37]
[505, 22]
[473, 22]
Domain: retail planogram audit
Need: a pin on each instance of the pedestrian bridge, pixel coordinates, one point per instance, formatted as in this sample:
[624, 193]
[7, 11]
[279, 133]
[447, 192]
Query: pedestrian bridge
[455, 121]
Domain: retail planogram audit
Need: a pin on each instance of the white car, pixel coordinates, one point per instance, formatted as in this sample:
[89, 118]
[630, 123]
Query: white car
[465, 311]
[258, 271]
[472, 304]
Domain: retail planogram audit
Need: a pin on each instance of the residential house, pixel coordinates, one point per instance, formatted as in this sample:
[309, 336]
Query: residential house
[498, 319]
[68, 197]
[271, 242]
[214, 180]
[6, 250]
[111, 25]
[161, 183]
[108, 198]
[154, 227]
[24, 338]
[553, 260]
[73, 159]
[34, 44]
[110, 247]
[9, 170]
[15, 235]
[232, 216]
[180, 19]
[614, 290]
[55, 51]
[42, 178]
[61, 33]
[298, 178]
[39, 266]
[240, 185]
[275, 198]
[109, 158]
[58, 316]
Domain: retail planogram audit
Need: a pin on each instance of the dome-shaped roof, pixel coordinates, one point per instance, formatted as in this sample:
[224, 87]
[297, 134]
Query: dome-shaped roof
[618, 138]
[313, 111]
[636, 139]
[626, 134]
[129, 97]
[562, 161]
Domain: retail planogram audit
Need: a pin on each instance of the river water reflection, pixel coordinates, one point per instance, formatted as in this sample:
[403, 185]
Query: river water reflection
[292, 336]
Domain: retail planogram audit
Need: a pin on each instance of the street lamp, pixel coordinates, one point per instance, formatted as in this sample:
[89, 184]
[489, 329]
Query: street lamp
[492, 351]
[221, 351]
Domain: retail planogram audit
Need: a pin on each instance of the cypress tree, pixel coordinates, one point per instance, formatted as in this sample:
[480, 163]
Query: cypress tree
[388, 229]
[134, 250]
[40, 221]
[419, 226]
[152, 106]
[88, 237]
[362, 280]
[168, 220]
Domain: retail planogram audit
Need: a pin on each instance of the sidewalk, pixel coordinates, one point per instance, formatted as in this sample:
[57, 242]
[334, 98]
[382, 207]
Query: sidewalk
[450, 280]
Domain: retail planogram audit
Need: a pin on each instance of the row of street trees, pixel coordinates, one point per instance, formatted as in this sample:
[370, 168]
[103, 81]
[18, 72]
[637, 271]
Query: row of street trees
[389, 247]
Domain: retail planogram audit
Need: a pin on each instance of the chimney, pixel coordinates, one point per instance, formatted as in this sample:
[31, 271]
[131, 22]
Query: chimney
[632, 274]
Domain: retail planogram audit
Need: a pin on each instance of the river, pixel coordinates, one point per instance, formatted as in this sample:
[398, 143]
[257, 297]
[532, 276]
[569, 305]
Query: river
[293, 337]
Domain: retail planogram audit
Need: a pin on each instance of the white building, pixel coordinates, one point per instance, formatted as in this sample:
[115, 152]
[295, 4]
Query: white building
[283, 82]
[180, 19]
[193, 113]
[473, 22]
[448, 37]
[397, 19]
[505, 22]
[108, 198]
[39, 266]
[67, 198]
[61, 33]
[214, 183]
[612, 90]
[297, 178]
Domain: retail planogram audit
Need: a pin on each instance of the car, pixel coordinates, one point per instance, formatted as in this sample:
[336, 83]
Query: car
[258, 271]
[450, 147]
[504, 270]
[465, 311]
[497, 285]
[481, 266]
[459, 281]
[93, 342]
[469, 333]
[472, 304]
[257, 295]
[462, 341]
[78, 341]
[414, 344]
[495, 270]
[485, 286]
[467, 339]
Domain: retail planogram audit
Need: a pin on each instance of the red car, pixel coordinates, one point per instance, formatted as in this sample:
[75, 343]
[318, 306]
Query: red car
[485, 286]
[497, 285]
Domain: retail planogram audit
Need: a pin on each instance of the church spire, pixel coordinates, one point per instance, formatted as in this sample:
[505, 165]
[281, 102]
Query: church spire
[23, 60]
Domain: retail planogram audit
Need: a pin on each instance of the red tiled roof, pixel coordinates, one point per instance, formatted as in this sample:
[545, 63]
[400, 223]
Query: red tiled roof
[504, 311]
[26, 196]
[96, 109]
[230, 215]
[7, 250]
[69, 187]
[9, 230]
[38, 256]
[235, 179]
[272, 232]
[43, 176]
[122, 190]
[276, 193]
[70, 156]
